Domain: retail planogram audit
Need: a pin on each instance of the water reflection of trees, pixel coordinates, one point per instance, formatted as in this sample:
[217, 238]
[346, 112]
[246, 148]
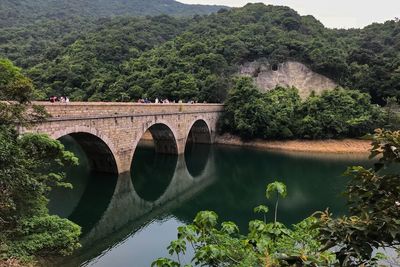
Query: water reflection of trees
[313, 184]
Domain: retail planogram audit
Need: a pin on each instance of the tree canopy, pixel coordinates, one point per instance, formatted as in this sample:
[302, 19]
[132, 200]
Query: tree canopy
[28, 11]
[196, 58]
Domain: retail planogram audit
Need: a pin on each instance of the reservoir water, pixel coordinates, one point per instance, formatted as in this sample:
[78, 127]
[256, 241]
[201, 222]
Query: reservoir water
[129, 220]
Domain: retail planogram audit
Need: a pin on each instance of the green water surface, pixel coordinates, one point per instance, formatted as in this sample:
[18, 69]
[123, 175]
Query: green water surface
[128, 220]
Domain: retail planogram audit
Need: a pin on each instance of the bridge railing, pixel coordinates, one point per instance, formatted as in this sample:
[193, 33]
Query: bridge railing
[107, 109]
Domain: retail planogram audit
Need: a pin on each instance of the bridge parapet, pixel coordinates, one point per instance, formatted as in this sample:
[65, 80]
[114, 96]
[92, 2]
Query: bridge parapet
[113, 109]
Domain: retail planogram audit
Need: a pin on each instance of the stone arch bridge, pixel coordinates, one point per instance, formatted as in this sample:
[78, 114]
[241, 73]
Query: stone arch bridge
[109, 132]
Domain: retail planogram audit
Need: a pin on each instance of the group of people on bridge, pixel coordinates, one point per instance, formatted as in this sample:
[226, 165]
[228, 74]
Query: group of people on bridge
[163, 101]
[65, 99]
[62, 99]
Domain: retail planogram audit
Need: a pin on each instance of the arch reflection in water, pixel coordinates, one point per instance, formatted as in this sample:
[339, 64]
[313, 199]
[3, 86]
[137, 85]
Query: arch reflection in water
[91, 193]
[196, 157]
[151, 172]
[197, 148]
[232, 188]
[128, 212]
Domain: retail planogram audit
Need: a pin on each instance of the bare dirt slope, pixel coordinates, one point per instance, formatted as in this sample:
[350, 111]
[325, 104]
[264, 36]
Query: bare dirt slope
[287, 74]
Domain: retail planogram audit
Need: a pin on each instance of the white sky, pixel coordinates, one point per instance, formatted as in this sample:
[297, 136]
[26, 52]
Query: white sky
[332, 13]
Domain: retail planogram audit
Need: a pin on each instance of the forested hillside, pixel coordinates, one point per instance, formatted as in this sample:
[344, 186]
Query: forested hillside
[22, 12]
[32, 31]
[196, 58]
[31, 44]
[90, 65]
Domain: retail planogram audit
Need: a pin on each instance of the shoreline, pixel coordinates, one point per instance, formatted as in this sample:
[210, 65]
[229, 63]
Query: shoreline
[331, 146]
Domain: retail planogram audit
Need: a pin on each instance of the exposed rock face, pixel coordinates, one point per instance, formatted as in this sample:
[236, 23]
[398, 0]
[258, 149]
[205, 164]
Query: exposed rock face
[286, 74]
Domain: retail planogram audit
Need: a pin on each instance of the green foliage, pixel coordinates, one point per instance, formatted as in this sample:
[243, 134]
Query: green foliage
[280, 190]
[26, 228]
[243, 110]
[261, 209]
[94, 63]
[392, 109]
[15, 86]
[277, 187]
[25, 182]
[85, 54]
[34, 32]
[206, 220]
[339, 113]
[334, 114]
[266, 244]
[164, 262]
[122, 59]
[29, 11]
[45, 235]
[373, 198]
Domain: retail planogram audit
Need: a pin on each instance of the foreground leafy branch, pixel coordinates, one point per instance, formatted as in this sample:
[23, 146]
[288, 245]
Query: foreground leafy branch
[374, 206]
[266, 244]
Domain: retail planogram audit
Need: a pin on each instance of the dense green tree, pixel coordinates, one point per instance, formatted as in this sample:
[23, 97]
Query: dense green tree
[244, 109]
[280, 113]
[338, 113]
[26, 228]
[15, 86]
[30, 166]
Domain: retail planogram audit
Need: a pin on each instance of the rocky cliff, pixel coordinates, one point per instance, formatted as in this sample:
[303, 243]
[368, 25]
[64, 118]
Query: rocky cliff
[287, 74]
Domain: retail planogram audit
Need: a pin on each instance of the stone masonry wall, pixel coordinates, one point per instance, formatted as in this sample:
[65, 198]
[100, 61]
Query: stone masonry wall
[121, 125]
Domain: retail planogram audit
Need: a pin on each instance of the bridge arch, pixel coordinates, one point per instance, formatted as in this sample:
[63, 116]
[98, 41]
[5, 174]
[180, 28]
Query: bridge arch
[164, 135]
[165, 140]
[199, 131]
[98, 148]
